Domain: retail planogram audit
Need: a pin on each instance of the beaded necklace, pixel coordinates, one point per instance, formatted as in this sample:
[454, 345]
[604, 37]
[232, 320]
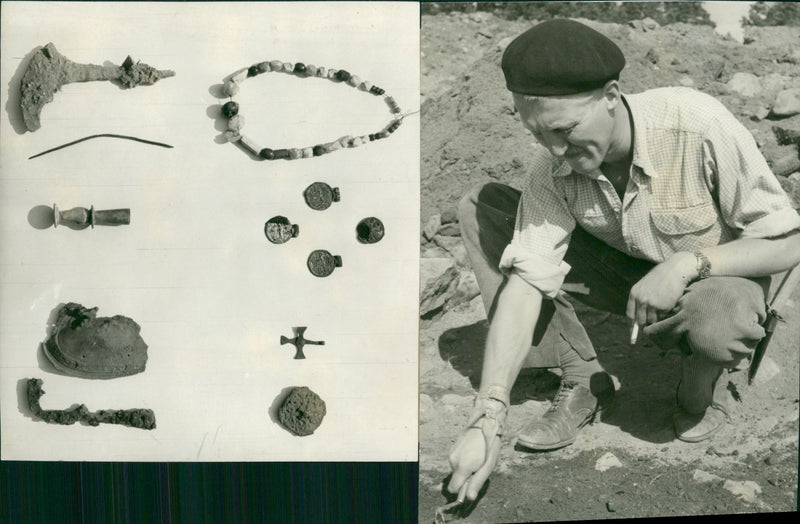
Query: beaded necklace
[236, 121]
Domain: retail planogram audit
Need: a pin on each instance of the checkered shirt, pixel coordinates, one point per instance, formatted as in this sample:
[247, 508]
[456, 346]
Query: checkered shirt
[697, 180]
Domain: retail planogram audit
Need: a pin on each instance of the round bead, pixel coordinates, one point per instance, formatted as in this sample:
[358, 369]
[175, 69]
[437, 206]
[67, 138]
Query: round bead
[354, 80]
[263, 67]
[288, 67]
[295, 153]
[308, 152]
[342, 75]
[236, 123]
[230, 109]
[300, 68]
[331, 73]
[230, 88]
[322, 72]
[311, 70]
[345, 141]
[252, 70]
[267, 154]
[276, 65]
[319, 150]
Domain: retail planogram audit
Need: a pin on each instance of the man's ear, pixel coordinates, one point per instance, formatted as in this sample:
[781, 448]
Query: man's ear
[612, 94]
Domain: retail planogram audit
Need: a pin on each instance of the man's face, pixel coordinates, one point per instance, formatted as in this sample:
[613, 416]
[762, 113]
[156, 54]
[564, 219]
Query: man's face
[578, 128]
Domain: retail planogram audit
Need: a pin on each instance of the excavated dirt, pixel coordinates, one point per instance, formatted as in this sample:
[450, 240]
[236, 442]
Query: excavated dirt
[629, 464]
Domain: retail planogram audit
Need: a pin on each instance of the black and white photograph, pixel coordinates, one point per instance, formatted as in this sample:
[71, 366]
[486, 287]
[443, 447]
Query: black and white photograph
[610, 321]
[210, 231]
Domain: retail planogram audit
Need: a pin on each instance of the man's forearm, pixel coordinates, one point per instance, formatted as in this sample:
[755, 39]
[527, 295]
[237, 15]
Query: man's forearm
[510, 333]
[748, 257]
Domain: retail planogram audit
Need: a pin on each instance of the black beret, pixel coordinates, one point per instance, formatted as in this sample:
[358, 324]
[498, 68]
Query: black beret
[560, 57]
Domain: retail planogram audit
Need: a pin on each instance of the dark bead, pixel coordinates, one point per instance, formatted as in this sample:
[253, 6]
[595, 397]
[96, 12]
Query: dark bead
[372, 137]
[252, 70]
[300, 68]
[280, 153]
[319, 150]
[267, 154]
[375, 90]
[230, 109]
[342, 75]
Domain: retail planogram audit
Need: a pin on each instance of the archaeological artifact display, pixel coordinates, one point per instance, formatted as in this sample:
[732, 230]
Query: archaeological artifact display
[320, 195]
[82, 217]
[83, 345]
[299, 341]
[135, 418]
[279, 229]
[321, 263]
[231, 110]
[48, 70]
[302, 411]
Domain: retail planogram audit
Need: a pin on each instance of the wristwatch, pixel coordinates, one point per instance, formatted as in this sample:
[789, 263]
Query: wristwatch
[703, 265]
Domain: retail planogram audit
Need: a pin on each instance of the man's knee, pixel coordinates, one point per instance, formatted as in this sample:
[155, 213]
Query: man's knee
[724, 316]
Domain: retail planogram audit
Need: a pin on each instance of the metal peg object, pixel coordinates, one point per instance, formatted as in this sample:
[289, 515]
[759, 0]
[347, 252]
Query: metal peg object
[80, 216]
[299, 341]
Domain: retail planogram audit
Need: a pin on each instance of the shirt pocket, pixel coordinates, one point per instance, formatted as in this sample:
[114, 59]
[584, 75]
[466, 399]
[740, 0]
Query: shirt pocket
[687, 228]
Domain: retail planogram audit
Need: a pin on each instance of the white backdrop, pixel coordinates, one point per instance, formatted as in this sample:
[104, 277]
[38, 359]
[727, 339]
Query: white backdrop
[194, 269]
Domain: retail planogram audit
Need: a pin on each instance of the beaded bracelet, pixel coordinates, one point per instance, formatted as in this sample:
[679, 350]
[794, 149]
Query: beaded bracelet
[236, 121]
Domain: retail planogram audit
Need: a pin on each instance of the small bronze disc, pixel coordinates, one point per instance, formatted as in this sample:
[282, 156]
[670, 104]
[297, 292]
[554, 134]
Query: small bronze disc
[279, 230]
[369, 230]
[319, 195]
[321, 263]
[302, 411]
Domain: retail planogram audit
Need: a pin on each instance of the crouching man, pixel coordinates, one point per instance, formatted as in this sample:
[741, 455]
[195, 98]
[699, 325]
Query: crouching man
[656, 205]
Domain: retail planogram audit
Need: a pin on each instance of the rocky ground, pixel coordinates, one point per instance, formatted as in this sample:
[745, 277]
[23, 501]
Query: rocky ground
[628, 465]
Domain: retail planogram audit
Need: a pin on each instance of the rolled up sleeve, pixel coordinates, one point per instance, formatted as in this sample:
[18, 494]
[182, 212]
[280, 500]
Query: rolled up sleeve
[541, 235]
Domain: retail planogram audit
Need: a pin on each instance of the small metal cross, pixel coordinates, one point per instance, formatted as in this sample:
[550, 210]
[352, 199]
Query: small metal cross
[298, 342]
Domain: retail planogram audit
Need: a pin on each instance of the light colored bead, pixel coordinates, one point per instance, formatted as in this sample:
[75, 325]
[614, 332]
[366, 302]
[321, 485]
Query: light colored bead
[276, 65]
[239, 76]
[248, 144]
[354, 142]
[230, 88]
[264, 67]
[236, 123]
[345, 141]
[288, 67]
[311, 70]
[353, 80]
[232, 136]
[331, 73]
[295, 153]
[322, 72]
[308, 152]
[365, 86]
[365, 139]
[333, 146]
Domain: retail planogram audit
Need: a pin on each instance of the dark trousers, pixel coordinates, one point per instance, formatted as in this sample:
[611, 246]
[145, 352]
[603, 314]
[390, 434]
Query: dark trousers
[717, 320]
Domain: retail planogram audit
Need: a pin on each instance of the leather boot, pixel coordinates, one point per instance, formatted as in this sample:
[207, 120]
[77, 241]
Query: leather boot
[695, 423]
[573, 407]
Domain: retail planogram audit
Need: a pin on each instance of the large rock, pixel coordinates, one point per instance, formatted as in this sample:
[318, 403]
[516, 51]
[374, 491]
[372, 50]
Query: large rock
[437, 291]
[431, 269]
[745, 84]
[454, 247]
[787, 103]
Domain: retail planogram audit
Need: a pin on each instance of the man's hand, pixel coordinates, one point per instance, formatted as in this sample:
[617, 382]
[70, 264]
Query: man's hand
[659, 290]
[470, 464]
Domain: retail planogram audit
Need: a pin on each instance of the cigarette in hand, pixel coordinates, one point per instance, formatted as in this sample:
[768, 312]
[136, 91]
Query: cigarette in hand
[634, 333]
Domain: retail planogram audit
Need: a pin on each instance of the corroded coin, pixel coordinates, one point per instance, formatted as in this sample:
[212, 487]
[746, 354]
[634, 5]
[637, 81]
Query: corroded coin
[321, 263]
[319, 195]
[302, 411]
[369, 230]
[279, 230]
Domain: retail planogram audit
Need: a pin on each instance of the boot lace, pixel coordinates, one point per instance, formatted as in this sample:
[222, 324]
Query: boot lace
[563, 392]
